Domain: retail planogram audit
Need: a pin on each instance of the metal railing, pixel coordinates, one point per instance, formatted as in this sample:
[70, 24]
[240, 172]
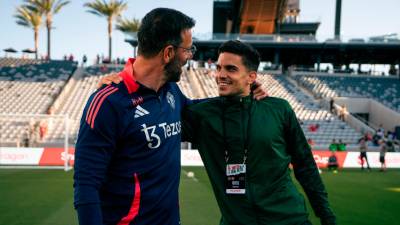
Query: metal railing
[286, 38]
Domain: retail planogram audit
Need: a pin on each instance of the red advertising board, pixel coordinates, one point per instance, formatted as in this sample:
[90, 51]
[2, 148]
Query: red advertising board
[321, 158]
[56, 157]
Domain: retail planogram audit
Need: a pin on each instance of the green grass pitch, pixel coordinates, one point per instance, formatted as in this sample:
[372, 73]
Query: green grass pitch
[44, 197]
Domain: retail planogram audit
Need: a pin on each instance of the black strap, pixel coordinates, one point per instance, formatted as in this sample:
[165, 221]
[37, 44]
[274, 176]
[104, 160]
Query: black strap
[246, 136]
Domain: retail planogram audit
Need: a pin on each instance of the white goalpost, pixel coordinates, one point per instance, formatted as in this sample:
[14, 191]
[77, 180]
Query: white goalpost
[36, 141]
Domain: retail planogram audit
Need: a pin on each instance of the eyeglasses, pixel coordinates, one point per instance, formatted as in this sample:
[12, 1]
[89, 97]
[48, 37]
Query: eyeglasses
[192, 49]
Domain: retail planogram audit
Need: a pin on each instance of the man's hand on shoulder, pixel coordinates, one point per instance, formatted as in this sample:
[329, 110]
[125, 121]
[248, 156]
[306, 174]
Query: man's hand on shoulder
[259, 92]
[108, 79]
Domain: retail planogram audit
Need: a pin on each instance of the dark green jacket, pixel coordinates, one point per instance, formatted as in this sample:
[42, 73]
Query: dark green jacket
[333, 147]
[276, 140]
[342, 147]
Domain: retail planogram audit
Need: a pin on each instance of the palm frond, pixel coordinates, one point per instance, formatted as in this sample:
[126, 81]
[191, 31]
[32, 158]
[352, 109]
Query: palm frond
[111, 9]
[22, 22]
[59, 5]
[28, 17]
[95, 13]
[47, 7]
[127, 25]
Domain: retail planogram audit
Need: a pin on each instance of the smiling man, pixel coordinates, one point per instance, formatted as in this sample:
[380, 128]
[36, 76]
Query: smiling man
[247, 146]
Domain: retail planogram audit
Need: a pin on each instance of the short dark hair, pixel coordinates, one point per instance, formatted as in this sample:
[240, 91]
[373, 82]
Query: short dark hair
[250, 56]
[161, 27]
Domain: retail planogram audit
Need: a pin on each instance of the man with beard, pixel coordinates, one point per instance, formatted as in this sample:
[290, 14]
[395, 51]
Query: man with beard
[247, 146]
[127, 159]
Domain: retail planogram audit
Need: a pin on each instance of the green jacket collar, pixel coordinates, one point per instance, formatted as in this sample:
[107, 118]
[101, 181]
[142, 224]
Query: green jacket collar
[228, 101]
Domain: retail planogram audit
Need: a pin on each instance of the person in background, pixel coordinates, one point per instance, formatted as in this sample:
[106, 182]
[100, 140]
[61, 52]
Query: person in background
[363, 145]
[341, 146]
[313, 127]
[382, 154]
[380, 132]
[333, 163]
[311, 142]
[389, 145]
[333, 146]
[84, 60]
[97, 59]
[331, 105]
[342, 113]
[26, 138]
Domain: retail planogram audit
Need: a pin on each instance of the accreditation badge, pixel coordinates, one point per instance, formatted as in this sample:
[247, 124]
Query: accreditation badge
[235, 178]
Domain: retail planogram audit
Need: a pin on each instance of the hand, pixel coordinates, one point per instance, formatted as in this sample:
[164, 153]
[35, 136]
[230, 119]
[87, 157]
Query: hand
[110, 78]
[259, 92]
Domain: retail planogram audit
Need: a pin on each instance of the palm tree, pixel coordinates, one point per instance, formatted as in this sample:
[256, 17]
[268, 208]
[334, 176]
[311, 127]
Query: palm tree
[31, 18]
[128, 26]
[48, 8]
[110, 10]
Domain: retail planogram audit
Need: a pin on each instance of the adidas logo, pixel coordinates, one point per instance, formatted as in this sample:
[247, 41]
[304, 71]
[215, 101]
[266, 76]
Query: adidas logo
[140, 112]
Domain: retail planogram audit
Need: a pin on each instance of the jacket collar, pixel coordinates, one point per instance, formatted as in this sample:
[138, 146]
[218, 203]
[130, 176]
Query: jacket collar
[128, 76]
[234, 100]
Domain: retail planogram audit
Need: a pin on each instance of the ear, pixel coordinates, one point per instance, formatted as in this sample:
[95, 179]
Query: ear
[168, 53]
[252, 77]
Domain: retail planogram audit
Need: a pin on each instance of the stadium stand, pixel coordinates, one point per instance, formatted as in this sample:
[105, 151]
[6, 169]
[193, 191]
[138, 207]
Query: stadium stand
[187, 86]
[35, 88]
[73, 103]
[307, 109]
[206, 80]
[81, 87]
[310, 113]
[385, 90]
[15, 62]
[29, 89]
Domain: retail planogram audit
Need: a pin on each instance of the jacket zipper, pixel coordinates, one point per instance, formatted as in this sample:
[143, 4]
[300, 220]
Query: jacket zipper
[247, 180]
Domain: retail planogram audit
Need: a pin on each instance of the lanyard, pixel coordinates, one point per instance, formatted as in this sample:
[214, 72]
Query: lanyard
[245, 136]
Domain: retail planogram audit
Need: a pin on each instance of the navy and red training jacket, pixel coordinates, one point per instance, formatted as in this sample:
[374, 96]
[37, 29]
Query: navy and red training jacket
[127, 159]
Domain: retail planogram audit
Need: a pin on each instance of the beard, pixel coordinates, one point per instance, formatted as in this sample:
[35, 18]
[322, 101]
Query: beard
[173, 70]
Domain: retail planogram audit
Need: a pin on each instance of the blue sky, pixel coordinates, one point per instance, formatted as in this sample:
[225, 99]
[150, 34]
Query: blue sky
[79, 32]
